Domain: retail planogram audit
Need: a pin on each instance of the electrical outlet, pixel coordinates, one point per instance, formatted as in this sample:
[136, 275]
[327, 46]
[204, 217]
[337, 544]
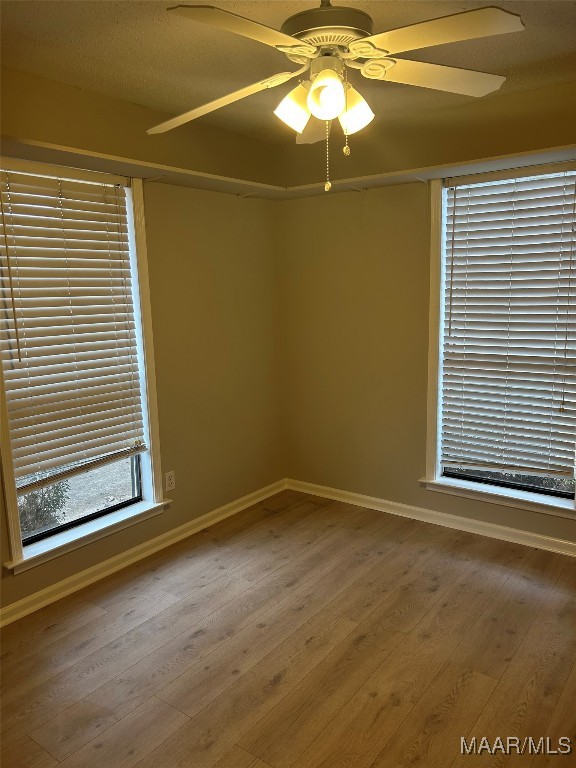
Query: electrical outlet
[170, 480]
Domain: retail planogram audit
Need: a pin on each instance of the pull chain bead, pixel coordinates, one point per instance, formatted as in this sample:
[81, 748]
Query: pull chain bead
[328, 185]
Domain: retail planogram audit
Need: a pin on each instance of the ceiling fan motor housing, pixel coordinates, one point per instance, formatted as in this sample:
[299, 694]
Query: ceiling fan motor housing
[329, 25]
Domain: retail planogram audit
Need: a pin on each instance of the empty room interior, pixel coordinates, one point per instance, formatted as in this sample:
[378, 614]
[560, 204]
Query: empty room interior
[288, 384]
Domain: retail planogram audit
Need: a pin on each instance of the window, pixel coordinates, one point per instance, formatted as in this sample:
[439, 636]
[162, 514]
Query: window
[507, 378]
[72, 349]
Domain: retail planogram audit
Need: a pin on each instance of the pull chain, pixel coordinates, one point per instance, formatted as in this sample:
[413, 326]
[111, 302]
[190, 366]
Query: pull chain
[346, 148]
[328, 185]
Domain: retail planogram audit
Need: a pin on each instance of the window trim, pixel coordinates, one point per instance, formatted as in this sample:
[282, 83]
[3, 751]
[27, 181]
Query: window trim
[24, 557]
[434, 480]
[505, 497]
[92, 530]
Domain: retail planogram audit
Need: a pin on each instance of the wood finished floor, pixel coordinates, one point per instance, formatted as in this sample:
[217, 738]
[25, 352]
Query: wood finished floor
[301, 633]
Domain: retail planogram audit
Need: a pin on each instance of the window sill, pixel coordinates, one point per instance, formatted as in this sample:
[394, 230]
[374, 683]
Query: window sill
[61, 543]
[507, 497]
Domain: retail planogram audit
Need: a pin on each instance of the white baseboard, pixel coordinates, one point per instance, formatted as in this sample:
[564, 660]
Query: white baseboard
[492, 530]
[73, 583]
[82, 579]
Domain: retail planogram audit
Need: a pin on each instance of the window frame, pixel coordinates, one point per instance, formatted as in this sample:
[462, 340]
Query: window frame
[47, 533]
[434, 480]
[27, 556]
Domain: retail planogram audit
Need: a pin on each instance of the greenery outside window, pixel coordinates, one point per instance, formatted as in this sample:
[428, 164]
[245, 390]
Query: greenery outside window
[70, 502]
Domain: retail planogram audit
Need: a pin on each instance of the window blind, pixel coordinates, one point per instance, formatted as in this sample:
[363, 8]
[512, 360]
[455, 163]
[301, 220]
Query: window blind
[509, 337]
[68, 344]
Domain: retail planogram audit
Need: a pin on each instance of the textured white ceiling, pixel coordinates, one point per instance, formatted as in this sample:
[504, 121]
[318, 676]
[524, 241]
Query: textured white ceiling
[138, 52]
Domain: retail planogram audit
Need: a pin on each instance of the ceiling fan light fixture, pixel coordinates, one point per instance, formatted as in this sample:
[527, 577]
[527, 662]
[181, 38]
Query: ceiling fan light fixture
[326, 99]
[357, 115]
[327, 39]
[293, 109]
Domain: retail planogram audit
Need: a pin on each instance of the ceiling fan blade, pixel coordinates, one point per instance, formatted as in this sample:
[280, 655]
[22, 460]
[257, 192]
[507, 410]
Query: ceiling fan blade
[217, 17]
[448, 29]
[314, 131]
[441, 78]
[261, 85]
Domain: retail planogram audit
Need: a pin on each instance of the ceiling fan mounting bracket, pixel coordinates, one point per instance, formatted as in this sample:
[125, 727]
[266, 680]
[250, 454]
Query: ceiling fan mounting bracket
[299, 54]
[361, 49]
[296, 58]
[282, 77]
[302, 51]
[329, 25]
[376, 69]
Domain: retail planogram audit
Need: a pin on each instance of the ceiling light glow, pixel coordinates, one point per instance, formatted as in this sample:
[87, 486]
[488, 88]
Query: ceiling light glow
[326, 99]
[357, 115]
[293, 109]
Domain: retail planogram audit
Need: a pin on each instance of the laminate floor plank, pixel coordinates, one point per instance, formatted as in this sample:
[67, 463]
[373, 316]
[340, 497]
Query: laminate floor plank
[406, 585]
[566, 580]
[205, 559]
[547, 569]
[234, 639]
[526, 696]
[504, 557]
[431, 732]
[122, 592]
[251, 564]
[360, 730]
[217, 728]
[344, 557]
[25, 753]
[264, 555]
[192, 557]
[77, 645]
[31, 633]
[300, 633]
[74, 728]
[282, 736]
[217, 671]
[562, 725]
[239, 758]
[128, 741]
[28, 707]
[489, 646]
[274, 537]
[156, 612]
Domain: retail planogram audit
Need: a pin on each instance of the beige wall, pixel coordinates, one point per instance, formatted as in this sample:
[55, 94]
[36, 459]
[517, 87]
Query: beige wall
[213, 277]
[354, 281]
[35, 108]
[500, 124]
[213, 273]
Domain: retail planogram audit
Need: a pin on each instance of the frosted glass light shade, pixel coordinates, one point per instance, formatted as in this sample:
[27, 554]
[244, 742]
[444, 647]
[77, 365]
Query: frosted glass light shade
[357, 115]
[326, 98]
[293, 109]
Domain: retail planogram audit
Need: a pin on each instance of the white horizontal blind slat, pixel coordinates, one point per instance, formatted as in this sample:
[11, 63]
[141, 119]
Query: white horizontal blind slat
[508, 389]
[69, 347]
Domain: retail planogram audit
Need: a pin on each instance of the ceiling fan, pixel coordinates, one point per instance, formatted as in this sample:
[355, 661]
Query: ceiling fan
[328, 40]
